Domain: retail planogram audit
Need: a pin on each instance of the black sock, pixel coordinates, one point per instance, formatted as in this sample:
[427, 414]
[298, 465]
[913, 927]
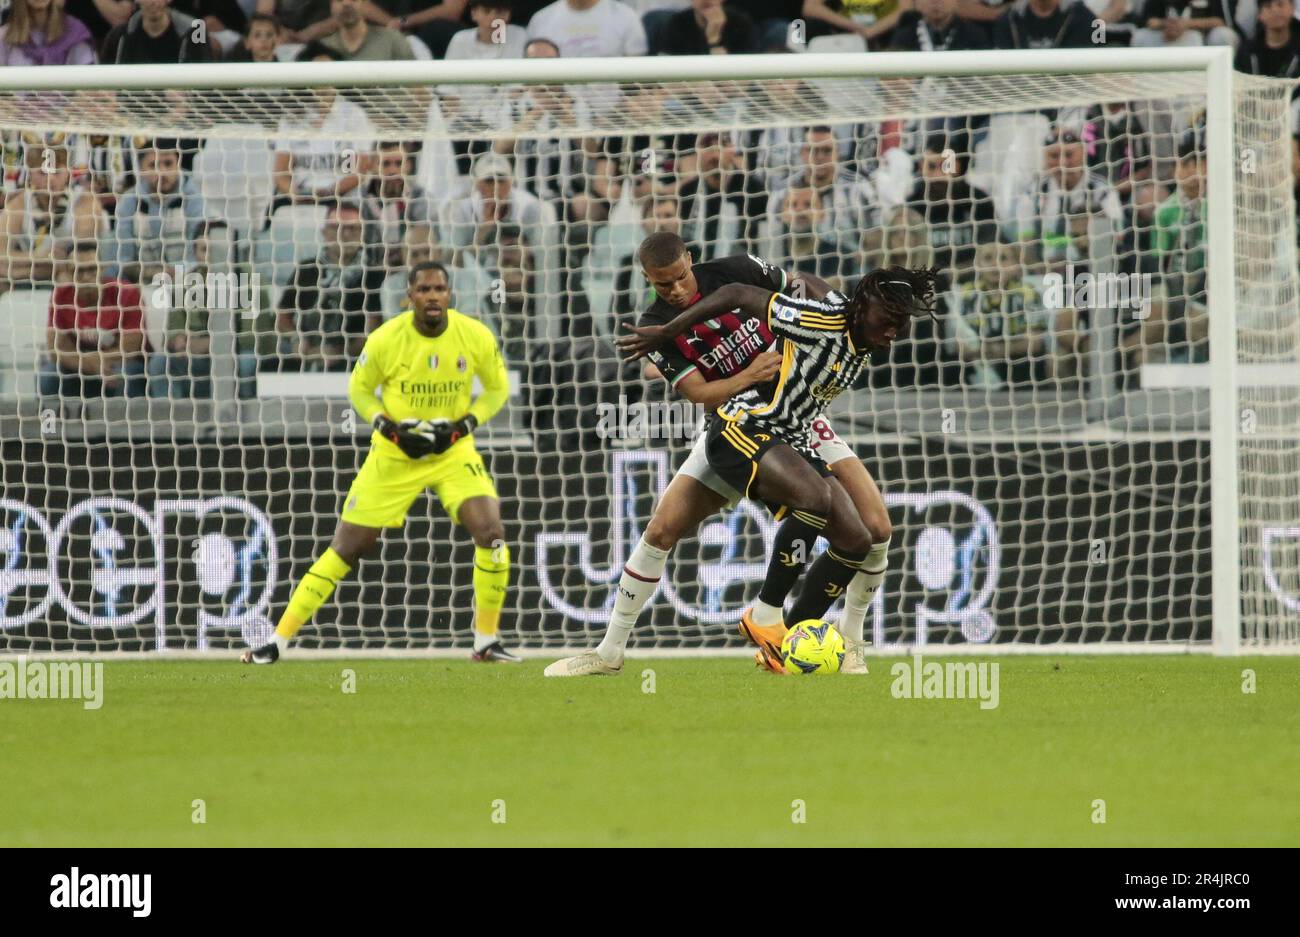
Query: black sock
[791, 548]
[824, 584]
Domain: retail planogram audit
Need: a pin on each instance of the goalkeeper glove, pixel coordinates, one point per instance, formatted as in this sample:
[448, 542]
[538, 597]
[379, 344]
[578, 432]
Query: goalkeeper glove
[416, 445]
[446, 434]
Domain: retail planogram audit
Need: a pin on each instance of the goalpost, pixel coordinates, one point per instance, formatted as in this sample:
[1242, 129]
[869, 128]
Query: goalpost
[1074, 457]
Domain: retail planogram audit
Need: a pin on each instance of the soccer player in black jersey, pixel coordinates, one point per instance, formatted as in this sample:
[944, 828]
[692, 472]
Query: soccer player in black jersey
[758, 440]
[709, 364]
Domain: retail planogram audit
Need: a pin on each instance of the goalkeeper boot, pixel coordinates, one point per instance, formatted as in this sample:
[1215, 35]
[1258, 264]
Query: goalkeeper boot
[855, 657]
[495, 653]
[266, 654]
[767, 637]
[586, 664]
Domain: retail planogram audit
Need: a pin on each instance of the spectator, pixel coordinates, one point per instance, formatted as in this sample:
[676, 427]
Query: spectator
[493, 35]
[392, 201]
[996, 322]
[99, 16]
[1058, 214]
[224, 20]
[158, 218]
[772, 20]
[259, 42]
[495, 201]
[45, 215]
[1274, 50]
[300, 20]
[983, 13]
[1180, 246]
[516, 310]
[359, 41]
[95, 340]
[710, 27]
[157, 35]
[1044, 24]
[1187, 23]
[436, 25]
[805, 245]
[40, 32]
[712, 176]
[1116, 17]
[587, 28]
[655, 16]
[331, 164]
[847, 200]
[333, 300]
[551, 165]
[1118, 150]
[870, 19]
[935, 26]
[956, 215]
[1138, 255]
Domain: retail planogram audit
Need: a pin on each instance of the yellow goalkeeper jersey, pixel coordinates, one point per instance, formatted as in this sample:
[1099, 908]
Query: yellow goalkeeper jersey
[428, 378]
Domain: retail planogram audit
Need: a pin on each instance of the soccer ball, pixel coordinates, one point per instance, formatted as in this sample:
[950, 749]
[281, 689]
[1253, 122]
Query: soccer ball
[812, 646]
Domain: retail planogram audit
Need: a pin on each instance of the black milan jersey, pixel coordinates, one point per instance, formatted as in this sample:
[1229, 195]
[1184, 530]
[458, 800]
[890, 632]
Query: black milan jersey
[722, 347]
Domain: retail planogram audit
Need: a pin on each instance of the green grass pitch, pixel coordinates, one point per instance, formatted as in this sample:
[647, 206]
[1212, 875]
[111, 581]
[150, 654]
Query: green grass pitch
[432, 752]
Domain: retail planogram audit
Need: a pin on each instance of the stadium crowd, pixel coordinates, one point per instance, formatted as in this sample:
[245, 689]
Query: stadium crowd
[98, 220]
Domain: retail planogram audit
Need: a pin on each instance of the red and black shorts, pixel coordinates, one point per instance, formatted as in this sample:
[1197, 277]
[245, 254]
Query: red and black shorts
[735, 449]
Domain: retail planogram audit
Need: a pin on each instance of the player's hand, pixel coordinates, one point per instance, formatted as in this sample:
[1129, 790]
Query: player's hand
[765, 366]
[645, 339]
[414, 445]
[446, 434]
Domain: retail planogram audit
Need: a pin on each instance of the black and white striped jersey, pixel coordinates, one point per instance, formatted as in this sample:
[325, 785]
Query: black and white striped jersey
[818, 364]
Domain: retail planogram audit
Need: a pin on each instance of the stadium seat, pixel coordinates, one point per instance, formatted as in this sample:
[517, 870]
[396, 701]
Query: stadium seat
[234, 176]
[25, 314]
[293, 235]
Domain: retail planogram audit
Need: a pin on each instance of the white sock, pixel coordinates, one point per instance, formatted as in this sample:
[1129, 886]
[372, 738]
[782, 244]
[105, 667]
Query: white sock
[280, 641]
[639, 580]
[861, 590]
[765, 614]
[482, 640]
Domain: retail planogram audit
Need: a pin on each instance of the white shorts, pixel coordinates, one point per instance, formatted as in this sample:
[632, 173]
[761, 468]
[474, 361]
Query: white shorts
[823, 439]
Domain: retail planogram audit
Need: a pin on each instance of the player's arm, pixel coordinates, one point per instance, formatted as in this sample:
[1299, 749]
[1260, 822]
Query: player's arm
[713, 394]
[750, 300]
[491, 374]
[362, 384]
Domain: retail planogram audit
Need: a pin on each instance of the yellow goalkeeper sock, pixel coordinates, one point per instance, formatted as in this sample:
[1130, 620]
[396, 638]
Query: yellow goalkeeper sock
[311, 594]
[491, 575]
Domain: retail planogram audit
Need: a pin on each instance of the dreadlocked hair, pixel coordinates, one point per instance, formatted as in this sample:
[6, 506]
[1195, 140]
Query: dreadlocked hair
[903, 292]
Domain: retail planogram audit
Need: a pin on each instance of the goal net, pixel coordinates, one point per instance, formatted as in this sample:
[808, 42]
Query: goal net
[190, 261]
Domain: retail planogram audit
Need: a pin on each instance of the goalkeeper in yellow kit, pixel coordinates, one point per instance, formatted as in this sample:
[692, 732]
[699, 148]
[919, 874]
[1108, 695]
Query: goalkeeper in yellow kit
[425, 360]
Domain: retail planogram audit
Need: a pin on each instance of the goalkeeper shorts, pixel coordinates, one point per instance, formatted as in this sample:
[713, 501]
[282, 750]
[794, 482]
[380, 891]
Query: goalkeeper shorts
[386, 486]
[735, 449]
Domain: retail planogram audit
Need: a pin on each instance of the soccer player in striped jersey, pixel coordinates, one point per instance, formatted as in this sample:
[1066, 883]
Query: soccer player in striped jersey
[425, 360]
[758, 440]
[708, 364]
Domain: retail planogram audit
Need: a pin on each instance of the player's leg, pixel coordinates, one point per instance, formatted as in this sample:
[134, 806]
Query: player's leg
[870, 505]
[685, 504]
[829, 576]
[481, 517]
[465, 487]
[350, 543]
[380, 497]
